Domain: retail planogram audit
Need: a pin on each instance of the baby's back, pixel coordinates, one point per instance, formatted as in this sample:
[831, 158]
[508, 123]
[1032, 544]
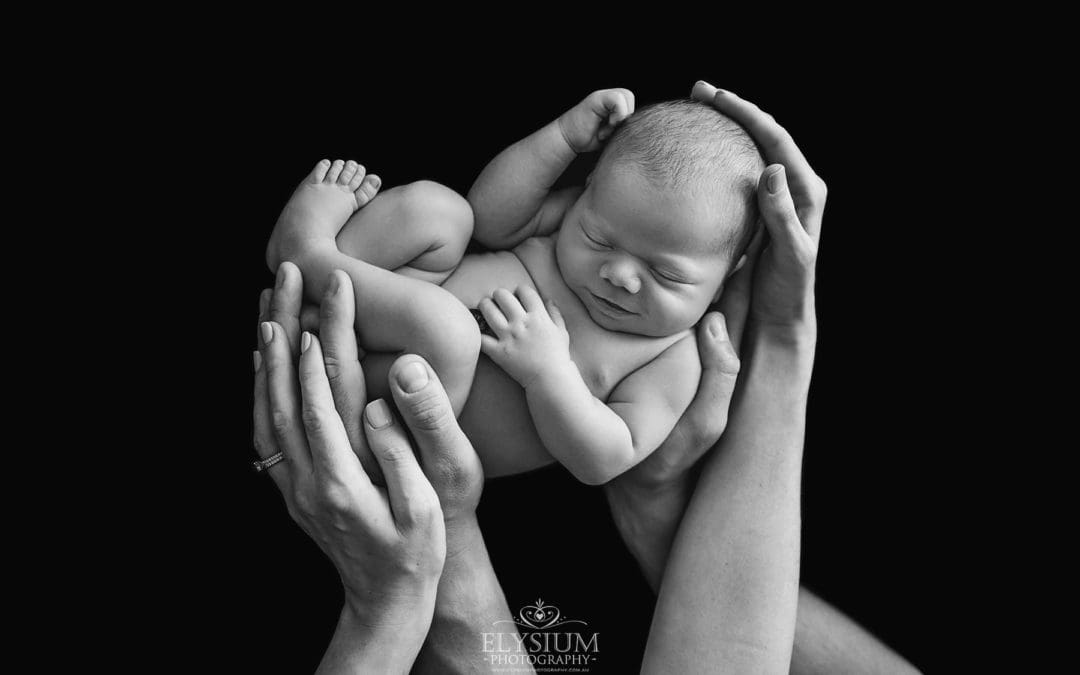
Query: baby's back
[496, 416]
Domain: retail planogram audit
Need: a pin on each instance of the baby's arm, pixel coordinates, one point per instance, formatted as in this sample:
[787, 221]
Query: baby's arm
[596, 442]
[512, 198]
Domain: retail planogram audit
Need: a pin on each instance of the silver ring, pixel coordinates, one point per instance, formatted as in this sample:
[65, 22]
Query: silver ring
[264, 464]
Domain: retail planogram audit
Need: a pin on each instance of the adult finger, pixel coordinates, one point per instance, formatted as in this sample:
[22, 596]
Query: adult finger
[285, 304]
[284, 398]
[779, 147]
[705, 418]
[331, 456]
[778, 211]
[449, 460]
[773, 139]
[309, 318]
[735, 302]
[412, 498]
[263, 435]
[342, 360]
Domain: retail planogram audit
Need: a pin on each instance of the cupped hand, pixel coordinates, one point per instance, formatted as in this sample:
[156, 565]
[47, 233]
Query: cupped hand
[792, 202]
[388, 544]
[647, 502]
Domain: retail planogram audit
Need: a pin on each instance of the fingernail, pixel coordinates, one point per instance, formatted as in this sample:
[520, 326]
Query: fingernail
[335, 284]
[412, 377]
[378, 414]
[281, 275]
[267, 332]
[776, 181]
[720, 92]
[717, 328]
[305, 342]
[256, 357]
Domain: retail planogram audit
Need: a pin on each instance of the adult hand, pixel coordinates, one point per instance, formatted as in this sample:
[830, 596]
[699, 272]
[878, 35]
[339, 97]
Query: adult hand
[647, 502]
[792, 202]
[388, 544]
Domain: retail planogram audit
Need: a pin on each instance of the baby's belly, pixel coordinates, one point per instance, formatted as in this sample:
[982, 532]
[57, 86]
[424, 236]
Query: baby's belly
[496, 416]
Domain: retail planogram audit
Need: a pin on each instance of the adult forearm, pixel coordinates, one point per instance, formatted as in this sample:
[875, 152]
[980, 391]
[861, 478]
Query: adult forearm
[470, 608]
[509, 191]
[730, 589]
[358, 646]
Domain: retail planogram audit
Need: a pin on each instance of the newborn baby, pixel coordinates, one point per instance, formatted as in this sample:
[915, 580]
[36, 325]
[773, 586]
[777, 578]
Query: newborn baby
[589, 354]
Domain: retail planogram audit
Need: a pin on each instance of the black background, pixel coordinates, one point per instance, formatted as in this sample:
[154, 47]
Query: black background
[889, 304]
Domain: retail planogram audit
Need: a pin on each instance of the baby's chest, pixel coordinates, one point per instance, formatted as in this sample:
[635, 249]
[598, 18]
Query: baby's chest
[603, 357]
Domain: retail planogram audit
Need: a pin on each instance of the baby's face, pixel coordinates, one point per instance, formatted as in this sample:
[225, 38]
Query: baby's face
[639, 258]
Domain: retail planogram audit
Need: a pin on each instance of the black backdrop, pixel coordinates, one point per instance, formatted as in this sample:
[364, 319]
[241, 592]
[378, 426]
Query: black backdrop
[268, 598]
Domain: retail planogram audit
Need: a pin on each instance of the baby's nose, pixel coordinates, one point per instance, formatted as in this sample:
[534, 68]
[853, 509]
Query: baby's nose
[621, 274]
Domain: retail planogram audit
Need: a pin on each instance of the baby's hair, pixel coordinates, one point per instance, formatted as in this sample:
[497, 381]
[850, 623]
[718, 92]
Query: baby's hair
[690, 146]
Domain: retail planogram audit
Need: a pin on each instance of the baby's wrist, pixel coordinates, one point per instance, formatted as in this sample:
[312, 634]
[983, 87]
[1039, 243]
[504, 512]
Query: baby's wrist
[553, 376]
[564, 133]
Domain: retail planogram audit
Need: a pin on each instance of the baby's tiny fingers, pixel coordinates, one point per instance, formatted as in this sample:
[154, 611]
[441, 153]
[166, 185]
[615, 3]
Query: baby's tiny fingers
[556, 315]
[509, 305]
[530, 299]
[494, 317]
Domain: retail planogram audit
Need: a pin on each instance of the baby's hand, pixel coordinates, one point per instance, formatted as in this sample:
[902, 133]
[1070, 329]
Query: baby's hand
[529, 340]
[588, 124]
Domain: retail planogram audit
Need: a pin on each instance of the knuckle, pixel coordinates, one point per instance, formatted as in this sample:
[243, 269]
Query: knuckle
[314, 419]
[282, 422]
[430, 413]
[394, 453]
[333, 364]
[336, 497]
[303, 505]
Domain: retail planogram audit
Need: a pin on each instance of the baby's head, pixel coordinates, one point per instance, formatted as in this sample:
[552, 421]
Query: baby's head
[664, 219]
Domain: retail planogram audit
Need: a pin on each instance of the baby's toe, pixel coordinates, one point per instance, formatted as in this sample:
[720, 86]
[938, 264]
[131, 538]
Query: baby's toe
[368, 189]
[347, 173]
[357, 177]
[319, 172]
[335, 171]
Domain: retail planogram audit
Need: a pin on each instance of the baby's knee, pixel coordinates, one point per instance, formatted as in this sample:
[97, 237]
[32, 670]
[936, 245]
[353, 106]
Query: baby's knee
[451, 330]
[434, 205]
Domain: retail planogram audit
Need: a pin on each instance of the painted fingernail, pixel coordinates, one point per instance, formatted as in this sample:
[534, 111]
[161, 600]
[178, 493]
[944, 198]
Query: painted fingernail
[305, 342]
[378, 414]
[267, 332]
[412, 377]
[776, 181]
[256, 357]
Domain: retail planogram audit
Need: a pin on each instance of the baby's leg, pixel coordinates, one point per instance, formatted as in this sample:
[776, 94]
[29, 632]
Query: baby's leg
[394, 313]
[419, 230]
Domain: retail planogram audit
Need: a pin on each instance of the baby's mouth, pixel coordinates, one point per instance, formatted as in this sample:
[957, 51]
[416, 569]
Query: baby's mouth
[611, 306]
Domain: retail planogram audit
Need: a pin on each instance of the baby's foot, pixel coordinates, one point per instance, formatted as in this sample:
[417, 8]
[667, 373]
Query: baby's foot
[319, 208]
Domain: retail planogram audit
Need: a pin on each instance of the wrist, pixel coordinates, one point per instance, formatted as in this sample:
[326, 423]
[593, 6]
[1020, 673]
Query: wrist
[564, 134]
[360, 646]
[552, 376]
